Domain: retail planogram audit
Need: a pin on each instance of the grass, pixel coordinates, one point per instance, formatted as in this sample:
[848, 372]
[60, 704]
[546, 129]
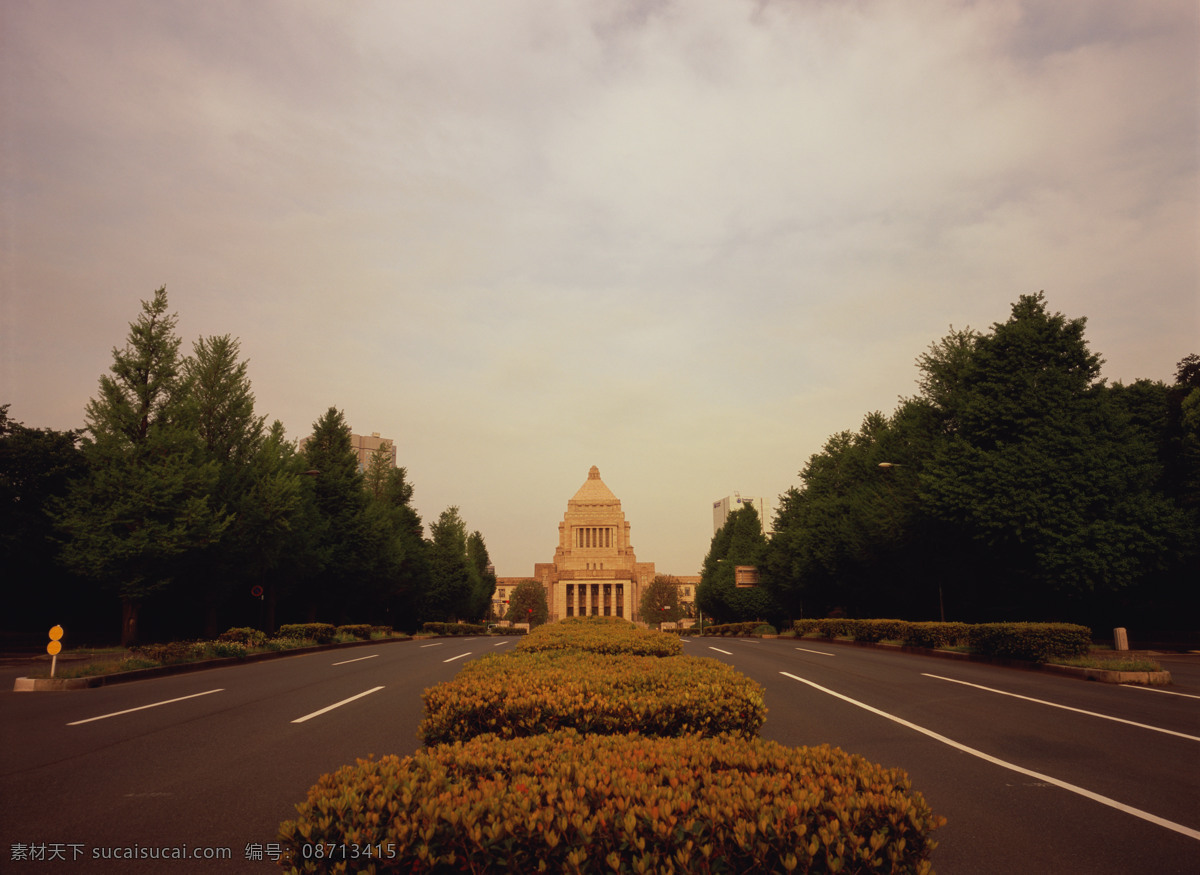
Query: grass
[1110, 663]
[115, 660]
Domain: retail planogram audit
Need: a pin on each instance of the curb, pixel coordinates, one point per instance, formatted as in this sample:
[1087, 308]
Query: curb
[38, 685]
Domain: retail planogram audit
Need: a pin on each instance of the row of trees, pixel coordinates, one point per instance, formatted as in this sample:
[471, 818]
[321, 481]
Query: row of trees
[179, 501]
[1016, 485]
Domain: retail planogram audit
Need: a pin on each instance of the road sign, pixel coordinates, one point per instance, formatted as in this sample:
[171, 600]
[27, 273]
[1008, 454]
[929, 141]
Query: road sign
[54, 647]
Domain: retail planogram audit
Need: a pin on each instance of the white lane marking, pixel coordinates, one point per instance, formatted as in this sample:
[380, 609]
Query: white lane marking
[360, 659]
[1157, 690]
[820, 652]
[1066, 707]
[1072, 788]
[749, 641]
[719, 650]
[434, 644]
[460, 656]
[501, 643]
[329, 708]
[144, 707]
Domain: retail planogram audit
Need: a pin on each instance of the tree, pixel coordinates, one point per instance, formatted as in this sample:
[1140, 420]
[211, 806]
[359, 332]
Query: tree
[527, 604]
[339, 536]
[401, 564]
[36, 467]
[660, 600]
[219, 406]
[145, 501]
[739, 542]
[449, 595]
[483, 579]
[1045, 473]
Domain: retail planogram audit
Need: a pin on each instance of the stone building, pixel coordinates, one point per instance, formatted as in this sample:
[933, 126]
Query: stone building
[595, 571]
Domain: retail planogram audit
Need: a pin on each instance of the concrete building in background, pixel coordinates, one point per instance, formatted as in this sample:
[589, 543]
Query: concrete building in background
[364, 447]
[727, 505]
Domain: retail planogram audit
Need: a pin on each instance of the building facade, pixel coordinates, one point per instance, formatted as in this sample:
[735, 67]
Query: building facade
[727, 505]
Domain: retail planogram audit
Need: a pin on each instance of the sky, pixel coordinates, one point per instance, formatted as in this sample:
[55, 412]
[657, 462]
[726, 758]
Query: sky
[684, 242]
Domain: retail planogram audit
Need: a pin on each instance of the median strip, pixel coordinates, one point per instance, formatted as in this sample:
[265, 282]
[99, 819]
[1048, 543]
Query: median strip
[1072, 788]
[1064, 707]
[329, 708]
[144, 707]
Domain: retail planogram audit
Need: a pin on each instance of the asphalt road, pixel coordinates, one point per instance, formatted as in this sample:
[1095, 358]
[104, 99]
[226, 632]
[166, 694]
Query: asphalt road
[1074, 777]
[212, 760]
[1036, 773]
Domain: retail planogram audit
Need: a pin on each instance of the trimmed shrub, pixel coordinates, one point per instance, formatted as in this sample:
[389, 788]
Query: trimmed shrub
[878, 630]
[522, 693]
[764, 629]
[806, 626]
[934, 635]
[727, 629]
[601, 638]
[507, 630]
[361, 631]
[244, 635]
[322, 633]
[454, 628]
[1037, 642]
[835, 627]
[571, 803]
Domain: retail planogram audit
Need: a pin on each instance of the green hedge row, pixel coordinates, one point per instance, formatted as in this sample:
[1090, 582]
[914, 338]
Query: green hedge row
[1036, 642]
[726, 629]
[565, 802]
[601, 635]
[454, 628]
[528, 693]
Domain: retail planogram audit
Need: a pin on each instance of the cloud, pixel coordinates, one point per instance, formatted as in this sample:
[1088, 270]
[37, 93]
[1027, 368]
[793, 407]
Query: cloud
[683, 241]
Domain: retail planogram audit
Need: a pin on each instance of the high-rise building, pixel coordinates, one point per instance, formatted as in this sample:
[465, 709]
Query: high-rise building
[727, 505]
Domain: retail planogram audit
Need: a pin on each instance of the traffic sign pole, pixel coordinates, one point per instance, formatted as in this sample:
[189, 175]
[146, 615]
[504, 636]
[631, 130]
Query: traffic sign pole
[55, 645]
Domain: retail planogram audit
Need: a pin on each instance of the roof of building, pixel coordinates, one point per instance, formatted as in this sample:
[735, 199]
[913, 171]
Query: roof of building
[593, 490]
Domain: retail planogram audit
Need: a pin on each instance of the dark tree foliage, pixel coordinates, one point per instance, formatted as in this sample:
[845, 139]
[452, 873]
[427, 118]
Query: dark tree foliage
[739, 542]
[1016, 486]
[36, 467]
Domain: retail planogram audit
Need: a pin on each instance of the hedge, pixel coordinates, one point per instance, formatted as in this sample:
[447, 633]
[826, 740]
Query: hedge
[727, 629]
[1038, 642]
[565, 802]
[1034, 642]
[613, 638]
[521, 693]
[454, 628]
[322, 633]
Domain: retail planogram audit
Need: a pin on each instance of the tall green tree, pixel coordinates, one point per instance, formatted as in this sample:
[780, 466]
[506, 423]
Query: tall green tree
[451, 574]
[483, 580]
[739, 542]
[219, 406]
[1046, 473]
[401, 567]
[340, 536]
[146, 501]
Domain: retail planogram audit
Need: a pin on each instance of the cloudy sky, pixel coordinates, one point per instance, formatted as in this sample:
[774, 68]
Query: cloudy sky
[684, 242]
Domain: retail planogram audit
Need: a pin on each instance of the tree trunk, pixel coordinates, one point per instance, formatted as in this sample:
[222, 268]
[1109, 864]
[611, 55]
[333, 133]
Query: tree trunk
[129, 620]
